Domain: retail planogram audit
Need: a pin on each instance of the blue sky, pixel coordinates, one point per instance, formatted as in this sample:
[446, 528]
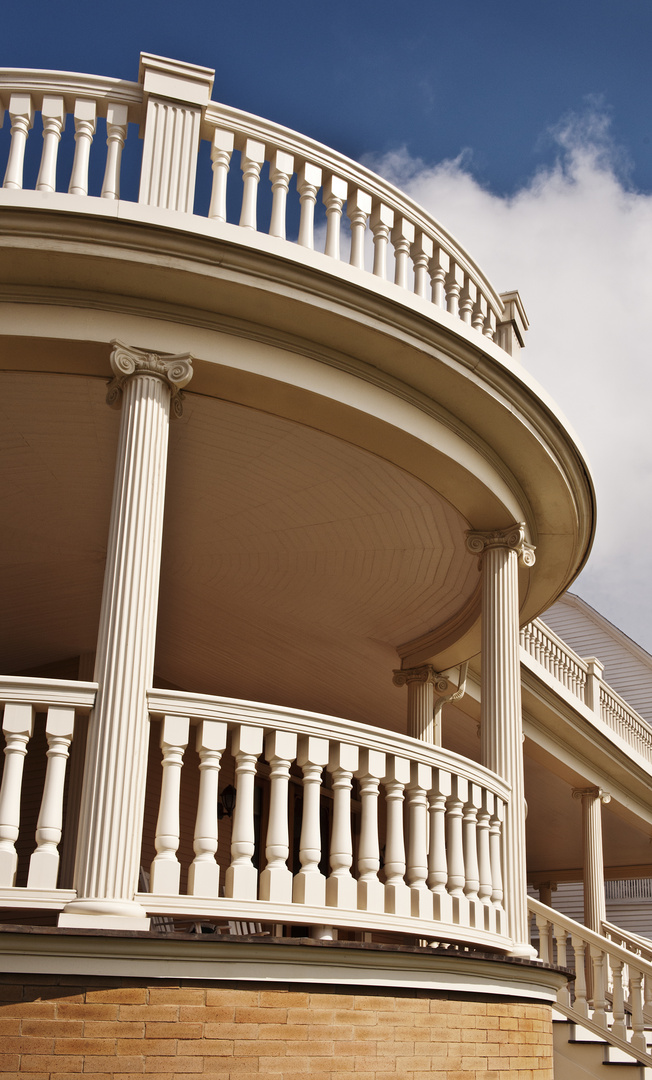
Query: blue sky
[525, 126]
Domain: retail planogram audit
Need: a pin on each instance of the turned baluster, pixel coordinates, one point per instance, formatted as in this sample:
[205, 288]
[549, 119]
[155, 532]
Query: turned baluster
[116, 133]
[454, 283]
[21, 114]
[380, 223]
[53, 115]
[358, 209]
[490, 325]
[204, 871]
[165, 871]
[485, 886]
[252, 159]
[308, 184]
[397, 893]
[221, 151]
[638, 1039]
[241, 878]
[371, 891]
[455, 849]
[470, 843]
[439, 267]
[580, 1004]
[17, 727]
[309, 886]
[44, 862]
[333, 197]
[417, 834]
[276, 878]
[479, 313]
[563, 994]
[281, 168]
[341, 887]
[468, 296]
[437, 861]
[85, 114]
[422, 252]
[496, 854]
[619, 1025]
[402, 239]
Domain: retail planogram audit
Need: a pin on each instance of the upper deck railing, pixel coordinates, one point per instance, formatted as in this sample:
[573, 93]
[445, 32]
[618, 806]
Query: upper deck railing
[583, 681]
[284, 175]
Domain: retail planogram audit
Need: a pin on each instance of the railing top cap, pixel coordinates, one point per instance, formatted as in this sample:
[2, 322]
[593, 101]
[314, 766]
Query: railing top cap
[175, 79]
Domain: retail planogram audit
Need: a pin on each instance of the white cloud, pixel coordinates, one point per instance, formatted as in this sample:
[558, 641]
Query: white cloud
[577, 243]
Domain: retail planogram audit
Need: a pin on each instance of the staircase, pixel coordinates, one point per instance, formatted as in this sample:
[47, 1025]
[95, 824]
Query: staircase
[603, 1020]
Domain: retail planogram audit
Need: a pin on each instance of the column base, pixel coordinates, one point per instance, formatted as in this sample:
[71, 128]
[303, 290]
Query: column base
[95, 914]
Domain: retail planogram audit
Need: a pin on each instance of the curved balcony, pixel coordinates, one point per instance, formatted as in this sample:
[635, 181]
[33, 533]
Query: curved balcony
[335, 825]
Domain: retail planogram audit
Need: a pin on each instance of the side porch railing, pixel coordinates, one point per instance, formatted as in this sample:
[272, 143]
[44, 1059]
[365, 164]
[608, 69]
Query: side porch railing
[612, 990]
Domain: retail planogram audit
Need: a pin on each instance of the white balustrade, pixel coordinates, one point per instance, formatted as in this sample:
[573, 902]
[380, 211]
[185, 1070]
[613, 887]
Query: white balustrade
[165, 871]
[610, 1002]
[17, 728]
[172, 130]
[411, 843]
[44, 863]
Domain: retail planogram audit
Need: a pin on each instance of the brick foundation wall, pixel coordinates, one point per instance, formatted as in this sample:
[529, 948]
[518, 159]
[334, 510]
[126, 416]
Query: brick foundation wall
[53, 1027]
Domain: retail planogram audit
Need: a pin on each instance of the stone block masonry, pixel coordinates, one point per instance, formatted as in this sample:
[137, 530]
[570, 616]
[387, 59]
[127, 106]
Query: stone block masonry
[59, 1027]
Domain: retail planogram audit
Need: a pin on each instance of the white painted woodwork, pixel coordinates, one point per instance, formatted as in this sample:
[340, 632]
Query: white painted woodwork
[116, 133]
[53, 115]
[204, 871]
[455, 849]
[175, 94]
[17, 728]
[397, 893]
[85, 116]
[308, 184]
[252, 161]
[334, 193]
[371, 891]
[437, 857]
[380, 223]
[421, 684]
[502, 729]
[453, 284]
[281, 168]
[422, 252]
[165, 869]
[221, 151]
[108, 849]
[276, 878]
[468, 297]
[421, 902]
[309, 886]
[341, 887]
[595, 908]
[241, 880]
[470, 847]
[358, 208]
[402, 238]
[21, 114]
[485, 883]
[44, 862]
[439, 269]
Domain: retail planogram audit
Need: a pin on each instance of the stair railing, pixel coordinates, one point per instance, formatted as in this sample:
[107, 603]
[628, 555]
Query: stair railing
[615, 1012]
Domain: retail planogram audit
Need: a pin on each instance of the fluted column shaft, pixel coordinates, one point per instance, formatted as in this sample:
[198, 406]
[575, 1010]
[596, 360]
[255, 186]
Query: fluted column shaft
[108, 846]
[595, 911]
[502, 726]
[421, 682]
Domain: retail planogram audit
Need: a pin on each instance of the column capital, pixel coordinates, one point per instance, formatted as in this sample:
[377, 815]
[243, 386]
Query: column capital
[596, 792]
[127, 361]
[423, 674]
[512, 538]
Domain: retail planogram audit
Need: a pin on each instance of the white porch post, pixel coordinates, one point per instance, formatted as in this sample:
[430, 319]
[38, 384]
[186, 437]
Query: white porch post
[502, 725]
[108, 846]
[595, 911]
[421, 683]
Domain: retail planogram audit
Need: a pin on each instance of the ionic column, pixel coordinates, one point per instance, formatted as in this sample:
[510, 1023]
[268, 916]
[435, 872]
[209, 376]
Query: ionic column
[421, 683]
[594, 896]
[113, 794]
[502, 726]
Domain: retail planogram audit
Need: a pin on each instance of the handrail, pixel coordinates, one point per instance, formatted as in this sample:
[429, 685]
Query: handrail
[43, 693]
[632, 942]
[428, 261]
[609, 979]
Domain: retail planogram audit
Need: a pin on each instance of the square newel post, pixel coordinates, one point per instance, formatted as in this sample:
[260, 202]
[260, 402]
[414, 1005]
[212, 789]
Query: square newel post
[502, 724]
[511, 330]
[175, 94]
[113, 793]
